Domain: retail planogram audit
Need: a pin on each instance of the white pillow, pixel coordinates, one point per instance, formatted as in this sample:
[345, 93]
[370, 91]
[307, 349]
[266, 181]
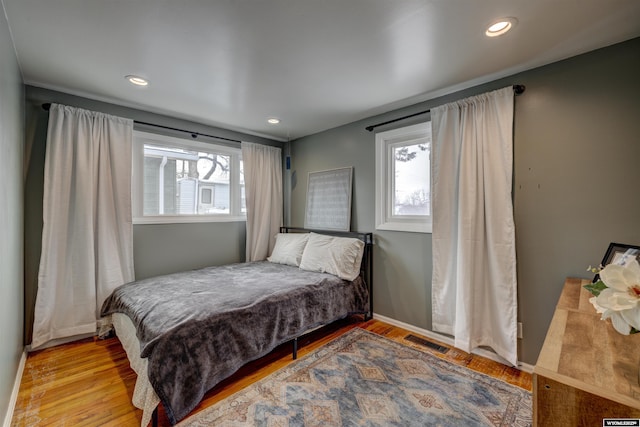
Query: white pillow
[288, 248]
[340, 256]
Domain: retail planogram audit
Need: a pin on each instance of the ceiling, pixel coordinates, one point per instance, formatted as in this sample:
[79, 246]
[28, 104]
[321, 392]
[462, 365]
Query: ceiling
[314, 64]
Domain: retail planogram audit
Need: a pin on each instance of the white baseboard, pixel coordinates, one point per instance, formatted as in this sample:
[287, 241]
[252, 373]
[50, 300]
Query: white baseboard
[525, 367]
[16, 388]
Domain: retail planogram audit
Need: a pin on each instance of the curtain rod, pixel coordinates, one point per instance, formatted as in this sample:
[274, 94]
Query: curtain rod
[46, 106]
[518, 89]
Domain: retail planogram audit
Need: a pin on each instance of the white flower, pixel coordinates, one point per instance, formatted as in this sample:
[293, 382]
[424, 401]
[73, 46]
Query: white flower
[621, 300]
[599, 309]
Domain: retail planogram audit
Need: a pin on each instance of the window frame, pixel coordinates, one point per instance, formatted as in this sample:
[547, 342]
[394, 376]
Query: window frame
[385, 180]
[140, 138]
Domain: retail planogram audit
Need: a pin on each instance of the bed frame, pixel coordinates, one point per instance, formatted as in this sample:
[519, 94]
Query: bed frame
[366, 270]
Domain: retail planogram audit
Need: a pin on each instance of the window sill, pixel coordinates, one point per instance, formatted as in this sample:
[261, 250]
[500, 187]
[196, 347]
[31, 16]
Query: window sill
[185, 219]
[406, 227]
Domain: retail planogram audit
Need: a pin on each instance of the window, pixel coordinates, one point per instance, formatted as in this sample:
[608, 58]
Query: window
[403, 179]
[178, 180]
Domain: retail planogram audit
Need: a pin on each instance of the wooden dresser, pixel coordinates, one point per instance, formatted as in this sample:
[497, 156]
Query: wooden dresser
[586, 370]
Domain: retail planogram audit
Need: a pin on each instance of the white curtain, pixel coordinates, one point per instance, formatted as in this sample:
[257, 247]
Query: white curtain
[87, 236]
[474, 259]
[263, 193]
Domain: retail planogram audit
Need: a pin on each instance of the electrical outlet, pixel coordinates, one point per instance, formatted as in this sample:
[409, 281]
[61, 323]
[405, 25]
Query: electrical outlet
[519, 329]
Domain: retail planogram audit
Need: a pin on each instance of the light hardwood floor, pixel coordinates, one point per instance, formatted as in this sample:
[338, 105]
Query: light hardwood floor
[89, 382]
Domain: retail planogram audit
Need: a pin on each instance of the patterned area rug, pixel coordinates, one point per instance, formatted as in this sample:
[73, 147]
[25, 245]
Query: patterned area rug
[363, 379]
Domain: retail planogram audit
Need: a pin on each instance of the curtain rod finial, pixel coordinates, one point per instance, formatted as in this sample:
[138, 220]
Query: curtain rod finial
[519, 89]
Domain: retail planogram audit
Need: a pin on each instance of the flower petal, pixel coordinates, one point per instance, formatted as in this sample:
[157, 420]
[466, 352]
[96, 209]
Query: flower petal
[631, 273]
[619, 324]
[599, 309]
[632, 317]
[617, 301]
[614, 277]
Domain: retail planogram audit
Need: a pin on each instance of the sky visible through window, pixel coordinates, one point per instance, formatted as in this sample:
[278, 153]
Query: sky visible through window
[412, 182]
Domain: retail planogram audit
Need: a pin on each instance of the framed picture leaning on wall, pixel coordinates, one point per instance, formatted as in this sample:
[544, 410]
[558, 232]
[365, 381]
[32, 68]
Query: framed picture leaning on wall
[619, 253]
[329, 200]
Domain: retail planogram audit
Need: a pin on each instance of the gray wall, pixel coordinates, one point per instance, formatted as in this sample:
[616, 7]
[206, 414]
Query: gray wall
[168, 248]
[11, 208]
[576, 171]
[158, 248]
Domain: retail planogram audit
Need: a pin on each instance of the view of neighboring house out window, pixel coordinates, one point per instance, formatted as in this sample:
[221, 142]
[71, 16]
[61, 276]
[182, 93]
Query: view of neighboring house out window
[403, 179]
[180, 180]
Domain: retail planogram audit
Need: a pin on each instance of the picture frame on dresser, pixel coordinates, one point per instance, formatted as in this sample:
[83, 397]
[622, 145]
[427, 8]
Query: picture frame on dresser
[619, 253]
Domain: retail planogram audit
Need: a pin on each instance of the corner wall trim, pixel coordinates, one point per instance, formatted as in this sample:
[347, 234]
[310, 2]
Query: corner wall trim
[16, 388]
[525, 367]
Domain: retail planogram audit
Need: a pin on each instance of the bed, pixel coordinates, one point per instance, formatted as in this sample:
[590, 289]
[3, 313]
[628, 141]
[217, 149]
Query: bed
[186, 332]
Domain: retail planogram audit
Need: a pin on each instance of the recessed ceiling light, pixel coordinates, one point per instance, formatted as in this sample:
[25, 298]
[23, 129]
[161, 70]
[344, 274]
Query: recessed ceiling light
[136, 80]
[273, 120]
[500, 27]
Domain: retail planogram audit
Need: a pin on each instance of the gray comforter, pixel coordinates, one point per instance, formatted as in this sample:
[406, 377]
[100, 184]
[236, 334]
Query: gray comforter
[197, 328]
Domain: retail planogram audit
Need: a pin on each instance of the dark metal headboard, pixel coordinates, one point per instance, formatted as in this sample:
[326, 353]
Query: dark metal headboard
[366, 267]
